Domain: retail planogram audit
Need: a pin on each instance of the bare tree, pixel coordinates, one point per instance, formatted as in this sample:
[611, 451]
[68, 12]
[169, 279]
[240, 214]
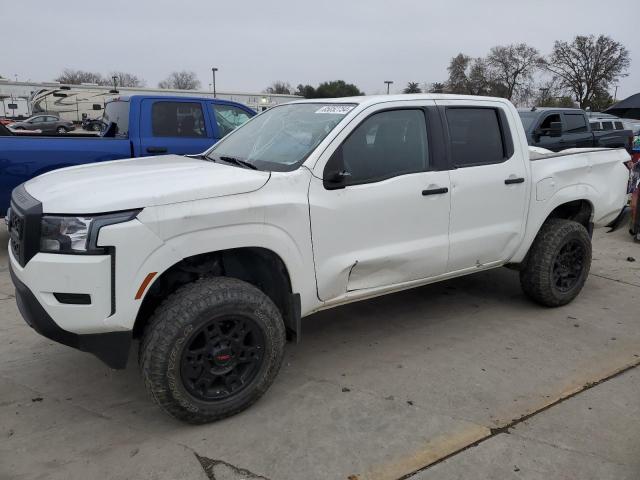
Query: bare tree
[412, 87]
[588, 65]
[279, 87]
[126, 79]
[183, 80]
[472, 76]
[513, 66]
[76, 77]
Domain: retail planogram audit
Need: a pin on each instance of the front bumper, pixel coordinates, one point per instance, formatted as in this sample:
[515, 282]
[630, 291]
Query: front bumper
[110, 347]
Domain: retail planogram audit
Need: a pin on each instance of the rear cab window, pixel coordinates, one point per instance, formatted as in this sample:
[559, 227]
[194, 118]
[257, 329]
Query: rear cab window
[575, 123]
[477, 136]
[178, 119]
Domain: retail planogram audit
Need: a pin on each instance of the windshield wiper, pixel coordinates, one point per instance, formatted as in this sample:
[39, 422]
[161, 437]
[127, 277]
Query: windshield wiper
[199, 156]
[237, 161]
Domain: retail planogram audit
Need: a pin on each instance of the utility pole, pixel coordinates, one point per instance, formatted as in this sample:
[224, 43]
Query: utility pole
[213, 73]
[388, 82]
[615, 95]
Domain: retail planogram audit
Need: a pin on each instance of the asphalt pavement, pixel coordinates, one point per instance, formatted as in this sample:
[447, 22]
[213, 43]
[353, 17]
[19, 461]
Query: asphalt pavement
[461, 379]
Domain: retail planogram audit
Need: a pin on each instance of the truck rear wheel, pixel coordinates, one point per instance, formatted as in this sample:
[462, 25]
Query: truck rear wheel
[558, 263]
[212, 349]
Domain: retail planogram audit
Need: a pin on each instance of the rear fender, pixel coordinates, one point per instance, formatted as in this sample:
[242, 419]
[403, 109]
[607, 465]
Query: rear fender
[540, 211]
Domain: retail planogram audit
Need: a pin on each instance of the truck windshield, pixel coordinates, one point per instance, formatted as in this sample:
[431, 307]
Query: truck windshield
[117, 112]
[527, 119]
[281, 138]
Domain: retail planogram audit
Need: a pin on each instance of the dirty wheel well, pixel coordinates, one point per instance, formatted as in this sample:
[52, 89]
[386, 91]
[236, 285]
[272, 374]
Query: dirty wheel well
[579, 211]
[257, 266]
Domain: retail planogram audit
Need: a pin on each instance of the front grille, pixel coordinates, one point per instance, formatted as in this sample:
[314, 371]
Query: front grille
[16, 232]
[24, 225]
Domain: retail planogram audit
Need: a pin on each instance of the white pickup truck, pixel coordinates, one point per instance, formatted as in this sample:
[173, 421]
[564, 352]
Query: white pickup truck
[212, 260]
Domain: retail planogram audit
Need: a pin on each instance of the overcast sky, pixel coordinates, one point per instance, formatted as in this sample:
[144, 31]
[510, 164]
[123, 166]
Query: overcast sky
[255, 42]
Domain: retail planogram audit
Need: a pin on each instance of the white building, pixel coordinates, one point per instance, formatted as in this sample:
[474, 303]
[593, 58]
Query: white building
[71, 101]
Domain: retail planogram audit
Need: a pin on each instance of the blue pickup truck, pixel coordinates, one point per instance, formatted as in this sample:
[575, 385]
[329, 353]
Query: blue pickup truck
[134, 126]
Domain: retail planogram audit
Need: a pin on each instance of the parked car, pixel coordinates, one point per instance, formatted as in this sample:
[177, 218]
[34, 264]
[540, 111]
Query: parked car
[561, 128]
[44, 123]
[137, 126]
[212, 260]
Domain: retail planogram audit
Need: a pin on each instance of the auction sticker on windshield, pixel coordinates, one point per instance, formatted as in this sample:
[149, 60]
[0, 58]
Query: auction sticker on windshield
[336, 109]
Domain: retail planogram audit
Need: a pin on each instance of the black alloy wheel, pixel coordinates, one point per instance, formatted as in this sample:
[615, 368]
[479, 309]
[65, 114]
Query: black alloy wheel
[222, 357]
[568, 265]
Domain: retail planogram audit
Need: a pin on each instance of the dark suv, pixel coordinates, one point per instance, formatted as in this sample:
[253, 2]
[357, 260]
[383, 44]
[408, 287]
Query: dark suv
[44, 123]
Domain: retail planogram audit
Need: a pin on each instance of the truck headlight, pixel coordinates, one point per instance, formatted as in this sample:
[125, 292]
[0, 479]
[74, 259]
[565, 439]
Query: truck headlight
[75, 234]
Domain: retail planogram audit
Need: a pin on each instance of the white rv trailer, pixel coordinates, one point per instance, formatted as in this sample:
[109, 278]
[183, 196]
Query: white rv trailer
[12, 107]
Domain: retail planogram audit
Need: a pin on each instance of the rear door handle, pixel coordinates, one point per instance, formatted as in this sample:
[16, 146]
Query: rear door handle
[156, 150]
[435, 191]
[511, 181]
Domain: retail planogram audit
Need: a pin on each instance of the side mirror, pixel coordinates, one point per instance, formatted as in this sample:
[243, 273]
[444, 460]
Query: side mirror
[335, 176]
[555, 129]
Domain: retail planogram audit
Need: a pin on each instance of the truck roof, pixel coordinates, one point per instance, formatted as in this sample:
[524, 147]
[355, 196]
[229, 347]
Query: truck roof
[129, 98]
[366, 100]
[546, 109]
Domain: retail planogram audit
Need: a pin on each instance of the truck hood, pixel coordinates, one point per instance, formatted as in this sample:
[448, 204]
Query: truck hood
[139, 182]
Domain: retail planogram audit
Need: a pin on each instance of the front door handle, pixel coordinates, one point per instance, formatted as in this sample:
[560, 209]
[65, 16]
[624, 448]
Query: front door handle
[511, 181]
[435, 191]
[156, 150]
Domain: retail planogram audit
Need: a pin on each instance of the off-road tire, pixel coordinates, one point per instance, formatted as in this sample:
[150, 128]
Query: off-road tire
[183, 312]
[536, 276]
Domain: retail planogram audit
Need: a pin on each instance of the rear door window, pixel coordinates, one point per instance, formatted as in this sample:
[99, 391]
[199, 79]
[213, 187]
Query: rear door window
[117, 112]
[575, 123]
[178, 119]
[475, 135]
[607, 125]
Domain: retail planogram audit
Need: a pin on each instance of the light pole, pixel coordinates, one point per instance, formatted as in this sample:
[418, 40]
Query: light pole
[115, 84]
[213, 73]
[388, 82]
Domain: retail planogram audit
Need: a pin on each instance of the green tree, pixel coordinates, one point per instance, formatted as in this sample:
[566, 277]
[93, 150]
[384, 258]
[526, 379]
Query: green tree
[458, 81]
[600, 101]
[412, 87]
[337, 88]
[589, 65]
[306, 91]
[437, 87]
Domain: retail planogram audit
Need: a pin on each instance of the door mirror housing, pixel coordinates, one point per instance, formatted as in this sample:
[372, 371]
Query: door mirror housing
[335, 175]
[555, 129]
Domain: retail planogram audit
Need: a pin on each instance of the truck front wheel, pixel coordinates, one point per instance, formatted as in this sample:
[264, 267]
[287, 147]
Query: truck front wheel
[212, 349]
[558, 263]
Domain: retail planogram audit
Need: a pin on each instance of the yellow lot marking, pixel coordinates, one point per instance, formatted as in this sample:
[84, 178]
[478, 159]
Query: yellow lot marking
[444, 446]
